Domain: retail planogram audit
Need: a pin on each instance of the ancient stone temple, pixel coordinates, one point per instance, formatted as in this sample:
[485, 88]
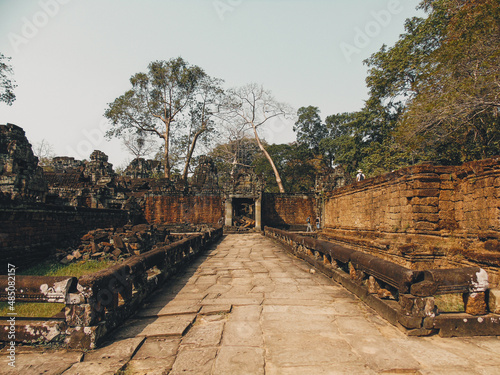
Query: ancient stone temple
[333, 179]
[20, 175]
[205, 175]
[142, 168]
[98, 169]
[243, 198]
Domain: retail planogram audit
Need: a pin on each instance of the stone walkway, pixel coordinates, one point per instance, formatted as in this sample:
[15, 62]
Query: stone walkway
[246, 307]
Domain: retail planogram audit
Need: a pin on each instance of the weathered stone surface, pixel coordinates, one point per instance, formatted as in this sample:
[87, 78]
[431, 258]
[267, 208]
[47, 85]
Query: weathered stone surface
[175, 325]
[204, 334]
[494, 300]
[475, 303]
[194, 361]
[37, 361]
[239, 360]
[155, 357]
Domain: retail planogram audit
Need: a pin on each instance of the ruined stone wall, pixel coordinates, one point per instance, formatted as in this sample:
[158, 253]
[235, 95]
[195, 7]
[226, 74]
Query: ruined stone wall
[423, 215]
[29, 233]
[193, 209]
[288, 210]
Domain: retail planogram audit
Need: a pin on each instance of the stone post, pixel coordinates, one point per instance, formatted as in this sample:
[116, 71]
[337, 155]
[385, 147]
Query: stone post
[229, 212]
[258, 214]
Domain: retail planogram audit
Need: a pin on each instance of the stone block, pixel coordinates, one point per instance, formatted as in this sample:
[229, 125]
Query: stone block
[417, 306]
[426, 217]
[494, 300]
[426, 226]
[475, 303]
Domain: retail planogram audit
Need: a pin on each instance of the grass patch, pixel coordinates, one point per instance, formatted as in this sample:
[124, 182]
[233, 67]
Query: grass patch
[48, 268]
[451, 303]
[32, 310]
[73, 269]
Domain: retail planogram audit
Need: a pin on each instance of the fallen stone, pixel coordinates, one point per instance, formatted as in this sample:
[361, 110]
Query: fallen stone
[118, 242]
[67, 259]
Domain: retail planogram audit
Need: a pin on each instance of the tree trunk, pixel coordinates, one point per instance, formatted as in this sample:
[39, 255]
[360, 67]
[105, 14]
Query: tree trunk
[190, 152]
[268, 157]
[166, 162]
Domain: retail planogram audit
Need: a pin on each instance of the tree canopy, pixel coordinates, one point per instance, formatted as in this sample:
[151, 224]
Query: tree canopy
[169, 96]
[433, 96]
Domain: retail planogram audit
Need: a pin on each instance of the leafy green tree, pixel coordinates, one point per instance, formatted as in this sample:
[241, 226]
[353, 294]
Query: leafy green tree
[157, 101]
[7, 84]
[309, 127]
[441, 80]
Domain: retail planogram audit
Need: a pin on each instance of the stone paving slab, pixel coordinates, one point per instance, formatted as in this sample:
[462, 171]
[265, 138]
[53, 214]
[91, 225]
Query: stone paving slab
[247, 307]
[175, 325]
[35, 362]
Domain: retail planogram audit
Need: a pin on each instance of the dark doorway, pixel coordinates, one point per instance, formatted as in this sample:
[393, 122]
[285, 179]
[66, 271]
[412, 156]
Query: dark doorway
[244, 212]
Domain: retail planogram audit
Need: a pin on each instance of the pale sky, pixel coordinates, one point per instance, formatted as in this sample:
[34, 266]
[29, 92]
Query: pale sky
[73, 57]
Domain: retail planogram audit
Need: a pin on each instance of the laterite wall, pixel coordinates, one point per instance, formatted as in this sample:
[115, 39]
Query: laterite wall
[288, 210]
[193, 209]
[29, 233]
[423, 215]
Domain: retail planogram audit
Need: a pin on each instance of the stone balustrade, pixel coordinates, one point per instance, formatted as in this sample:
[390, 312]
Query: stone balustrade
[404, 297]
[95, 304]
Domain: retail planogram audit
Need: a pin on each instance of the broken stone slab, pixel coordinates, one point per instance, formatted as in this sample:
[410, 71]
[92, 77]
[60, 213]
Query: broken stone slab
[216, 309]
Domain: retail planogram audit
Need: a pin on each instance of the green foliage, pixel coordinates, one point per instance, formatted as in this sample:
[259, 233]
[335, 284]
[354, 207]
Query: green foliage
[433, 96]
[162, 102]
[309, 127]
[49, 268]
[296, 163]
[7, 85]
[32, 310]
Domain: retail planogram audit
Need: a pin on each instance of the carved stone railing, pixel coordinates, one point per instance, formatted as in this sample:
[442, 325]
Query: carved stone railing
[96, 303]
[404, 297]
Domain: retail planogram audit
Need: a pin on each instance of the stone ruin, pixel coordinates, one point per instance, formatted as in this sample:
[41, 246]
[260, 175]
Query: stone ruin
[333, 179]
[205, 175]
[142, 168]
[20, 176]
[98, 169]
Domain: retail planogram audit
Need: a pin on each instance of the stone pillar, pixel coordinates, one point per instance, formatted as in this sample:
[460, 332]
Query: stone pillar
[258, 214]
[229, 212]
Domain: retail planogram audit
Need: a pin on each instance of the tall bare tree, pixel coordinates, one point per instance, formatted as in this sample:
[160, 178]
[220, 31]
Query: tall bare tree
[251, 107]
[139, 144]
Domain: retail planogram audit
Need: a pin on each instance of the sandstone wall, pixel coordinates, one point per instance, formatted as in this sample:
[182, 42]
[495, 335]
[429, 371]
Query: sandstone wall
[288, 210]
[29, 233]
[423, 215]
[193, 209]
